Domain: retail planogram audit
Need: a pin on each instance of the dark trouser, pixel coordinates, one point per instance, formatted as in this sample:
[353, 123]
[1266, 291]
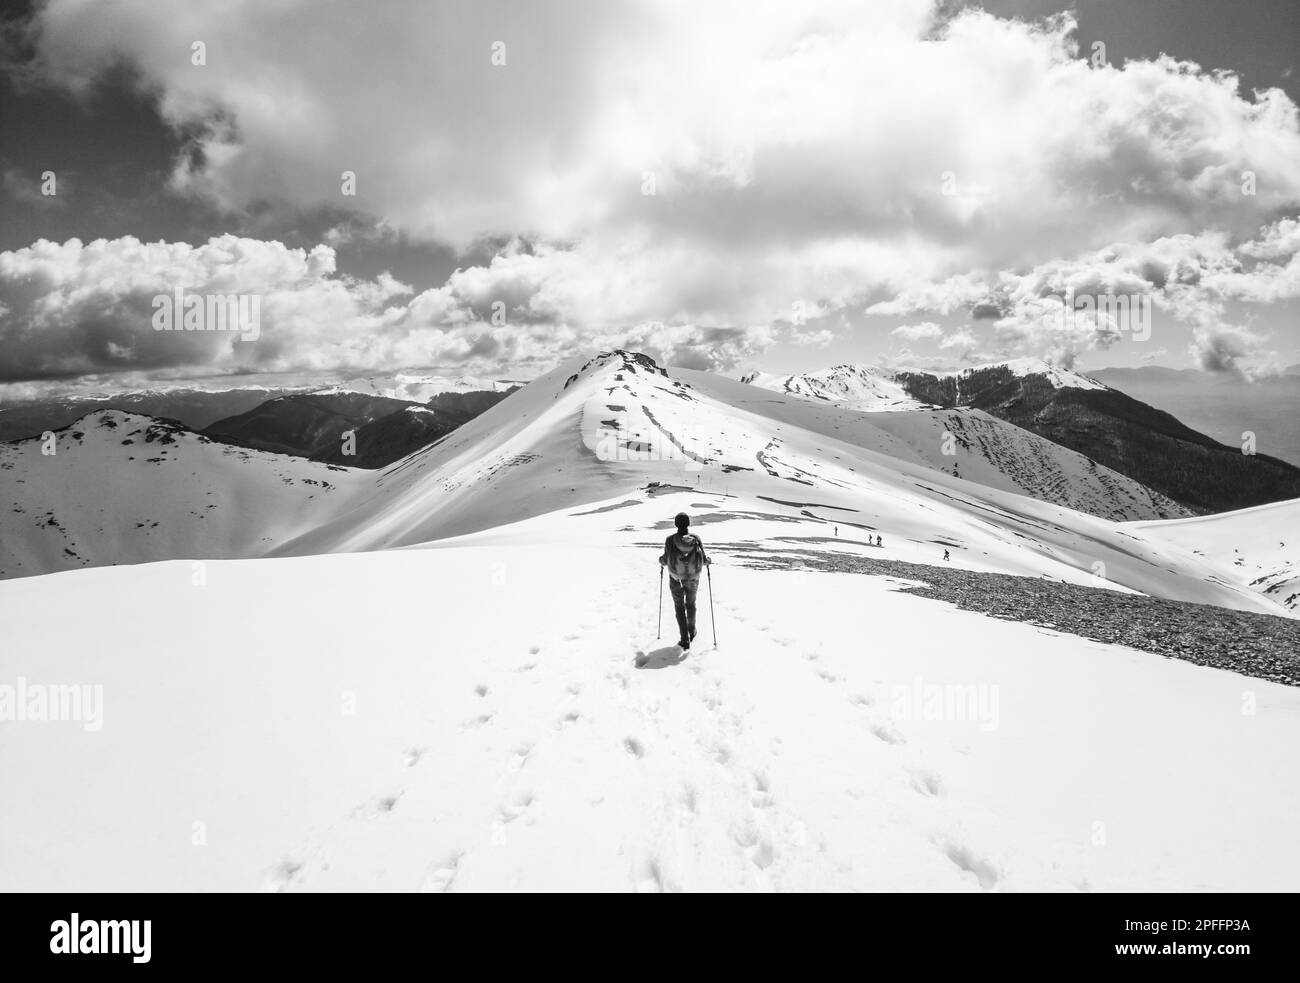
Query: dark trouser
[684, 605]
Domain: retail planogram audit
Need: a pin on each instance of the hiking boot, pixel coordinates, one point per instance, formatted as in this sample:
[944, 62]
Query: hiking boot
[684, 644]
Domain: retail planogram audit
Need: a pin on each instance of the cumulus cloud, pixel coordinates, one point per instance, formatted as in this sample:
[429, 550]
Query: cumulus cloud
[78, 309]
[917, 332]
[681, 163]
[1222, 349]
[74, 308]
[962, 340]
[1064, 307]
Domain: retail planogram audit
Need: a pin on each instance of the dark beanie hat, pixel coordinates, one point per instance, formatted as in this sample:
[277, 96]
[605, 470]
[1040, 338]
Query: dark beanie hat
[681, 521]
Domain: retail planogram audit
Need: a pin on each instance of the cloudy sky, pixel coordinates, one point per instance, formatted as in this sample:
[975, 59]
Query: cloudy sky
[781, 186]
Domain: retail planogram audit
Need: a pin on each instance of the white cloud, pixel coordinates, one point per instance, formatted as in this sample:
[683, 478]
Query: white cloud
[79, 309]
[796, 151]
[1188, 279]
[1225, 348]
[918, 332]
[75, 308]
[962, 339]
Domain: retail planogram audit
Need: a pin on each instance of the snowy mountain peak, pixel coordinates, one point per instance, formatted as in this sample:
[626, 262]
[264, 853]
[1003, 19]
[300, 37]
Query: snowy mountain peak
[874, 389]
[1060, 378]
[112, 420]
[859, 387]
[618, 361]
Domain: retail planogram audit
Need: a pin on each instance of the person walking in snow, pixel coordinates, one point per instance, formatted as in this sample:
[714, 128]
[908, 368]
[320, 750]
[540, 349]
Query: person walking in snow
[877, 540]
[684, 559]
[945, 554]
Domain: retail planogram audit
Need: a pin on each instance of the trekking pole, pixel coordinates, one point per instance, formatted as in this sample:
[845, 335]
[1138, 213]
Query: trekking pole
[712, 619]
[659, 630]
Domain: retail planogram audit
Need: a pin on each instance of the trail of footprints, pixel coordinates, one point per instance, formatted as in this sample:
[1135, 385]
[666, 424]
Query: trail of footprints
[753, 833]
[923, 781]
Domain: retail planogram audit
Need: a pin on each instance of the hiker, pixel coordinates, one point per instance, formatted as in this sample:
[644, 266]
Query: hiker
[945, 554]
[877, 540]
[684, 559]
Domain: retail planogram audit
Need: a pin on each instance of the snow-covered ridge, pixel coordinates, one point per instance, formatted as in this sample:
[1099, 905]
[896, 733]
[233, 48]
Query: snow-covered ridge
[1260, 544]
[416, 387]
[872, 389]
[1004, 500]
[863, 387]
[121, 488]
[1059, 377]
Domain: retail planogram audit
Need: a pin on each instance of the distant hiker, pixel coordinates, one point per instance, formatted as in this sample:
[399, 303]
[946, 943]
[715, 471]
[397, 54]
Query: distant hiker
[945, 554]
[877, 540]
[684, 559]
[837, 530]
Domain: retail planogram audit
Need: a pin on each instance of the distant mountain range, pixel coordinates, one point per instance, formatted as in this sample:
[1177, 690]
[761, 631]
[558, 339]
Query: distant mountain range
[286, 420]
[194, 408]
[611, 431]
[1075, 411]
[197, 406]
[303, 424]
[381, 441]
[1222, 405]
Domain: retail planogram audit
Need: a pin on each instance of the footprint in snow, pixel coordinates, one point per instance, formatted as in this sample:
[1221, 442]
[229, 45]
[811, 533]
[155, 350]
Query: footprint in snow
[281, 877]
[763, 855]
[633, 747]
[927, 783]
[649, 877]
[756, 847]
[519, 757]
[481, 689]
[411, 756]
[516, 807]
[512, 810]
[888, 734]
[984, 872]
[691, 798]
[443, 874]
[378, 807]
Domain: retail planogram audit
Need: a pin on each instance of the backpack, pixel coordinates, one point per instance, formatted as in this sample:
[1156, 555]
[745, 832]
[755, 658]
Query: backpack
[685, 556]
